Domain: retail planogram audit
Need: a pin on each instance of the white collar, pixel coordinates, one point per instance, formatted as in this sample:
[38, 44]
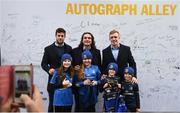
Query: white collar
[58, 45]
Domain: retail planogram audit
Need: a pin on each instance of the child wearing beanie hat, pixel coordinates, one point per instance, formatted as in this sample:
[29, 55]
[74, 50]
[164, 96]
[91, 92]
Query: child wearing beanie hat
[86, 55]
[62, 81]
[129, 70]
[66, 56]
[88, 83]
[111, 86]
[113, 66]
[130, 91]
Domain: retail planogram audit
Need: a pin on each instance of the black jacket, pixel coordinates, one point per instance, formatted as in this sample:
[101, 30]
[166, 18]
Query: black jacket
[77, 56]
[51, 58]
[124, 59]
[131, 94]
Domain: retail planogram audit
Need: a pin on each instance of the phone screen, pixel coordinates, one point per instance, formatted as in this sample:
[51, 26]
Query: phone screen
[22, 82]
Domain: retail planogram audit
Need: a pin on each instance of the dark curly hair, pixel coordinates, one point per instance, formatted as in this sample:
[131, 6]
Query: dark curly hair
[93, 42]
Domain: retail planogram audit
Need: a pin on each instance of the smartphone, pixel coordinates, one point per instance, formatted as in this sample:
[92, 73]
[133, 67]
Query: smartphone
[23, 82]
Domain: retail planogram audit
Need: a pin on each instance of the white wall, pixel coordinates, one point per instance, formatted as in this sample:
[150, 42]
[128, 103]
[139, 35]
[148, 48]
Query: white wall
[29, 26]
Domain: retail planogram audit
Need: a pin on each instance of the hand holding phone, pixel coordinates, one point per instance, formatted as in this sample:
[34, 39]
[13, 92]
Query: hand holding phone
[34, 104]
[23, 80]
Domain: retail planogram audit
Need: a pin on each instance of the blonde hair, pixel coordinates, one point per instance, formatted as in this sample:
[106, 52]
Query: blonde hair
[114, 31]
[80, 73]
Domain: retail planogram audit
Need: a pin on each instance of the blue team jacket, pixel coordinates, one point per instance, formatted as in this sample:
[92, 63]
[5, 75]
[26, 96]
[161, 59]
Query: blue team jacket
[88, 94]
[62, 96]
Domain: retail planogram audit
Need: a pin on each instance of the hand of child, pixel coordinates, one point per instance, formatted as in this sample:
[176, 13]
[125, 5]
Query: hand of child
[119, 85]
[65, 82]
[69, 85]
[87, 82]
[94, 82]
[105, 85]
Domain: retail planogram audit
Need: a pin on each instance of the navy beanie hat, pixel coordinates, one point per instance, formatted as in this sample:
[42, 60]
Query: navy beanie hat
[66, 56]
[129, 70]
[113, 66]
[87, 55]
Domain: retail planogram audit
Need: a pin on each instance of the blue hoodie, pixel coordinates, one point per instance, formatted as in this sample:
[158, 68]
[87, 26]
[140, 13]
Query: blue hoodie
[62, 96]
[88, 94]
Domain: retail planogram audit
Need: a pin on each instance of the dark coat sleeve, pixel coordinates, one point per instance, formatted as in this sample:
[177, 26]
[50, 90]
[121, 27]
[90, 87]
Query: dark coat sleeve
[76, 55]
[106, 59]
[131, 61]
[97, 58]
[136, 94]
[44, 62]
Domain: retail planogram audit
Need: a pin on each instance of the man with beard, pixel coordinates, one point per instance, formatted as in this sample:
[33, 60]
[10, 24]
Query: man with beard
[118, 53]
[51, 60]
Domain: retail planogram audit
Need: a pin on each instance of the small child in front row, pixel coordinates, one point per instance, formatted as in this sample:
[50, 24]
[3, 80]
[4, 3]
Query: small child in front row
[62, 81]
[111, 87]
[130, 91]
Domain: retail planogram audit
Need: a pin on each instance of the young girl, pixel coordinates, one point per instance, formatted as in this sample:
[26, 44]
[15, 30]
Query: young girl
[62, 80]
[87, 81]
[130, 91]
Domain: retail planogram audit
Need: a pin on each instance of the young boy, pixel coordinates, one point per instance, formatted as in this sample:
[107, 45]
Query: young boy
[130, 91]
[111, 86]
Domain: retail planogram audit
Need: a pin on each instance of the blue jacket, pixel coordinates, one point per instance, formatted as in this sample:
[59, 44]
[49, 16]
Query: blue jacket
[88, 94]
[62, 96]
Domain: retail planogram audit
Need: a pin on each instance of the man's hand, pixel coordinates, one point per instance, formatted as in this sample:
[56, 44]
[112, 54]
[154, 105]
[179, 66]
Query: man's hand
[137, 110]
[103, 76]
[134, 80]
[51, 71]
[77, 67]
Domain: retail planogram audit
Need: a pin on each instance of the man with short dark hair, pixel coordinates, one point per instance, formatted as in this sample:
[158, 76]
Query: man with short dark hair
[51, 60]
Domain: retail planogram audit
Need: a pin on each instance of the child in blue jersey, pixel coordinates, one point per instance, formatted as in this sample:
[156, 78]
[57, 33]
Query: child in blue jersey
[62, 81]
[111, 87]
[88, 82]
[130, 91]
